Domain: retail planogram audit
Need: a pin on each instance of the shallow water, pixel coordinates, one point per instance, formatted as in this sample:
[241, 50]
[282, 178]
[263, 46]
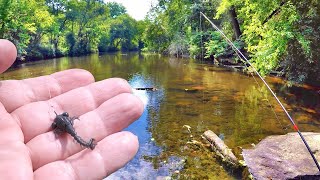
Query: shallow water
[201, 96]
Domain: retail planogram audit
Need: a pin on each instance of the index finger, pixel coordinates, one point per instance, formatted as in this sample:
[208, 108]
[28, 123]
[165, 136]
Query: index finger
[16, 93]
[8, 54]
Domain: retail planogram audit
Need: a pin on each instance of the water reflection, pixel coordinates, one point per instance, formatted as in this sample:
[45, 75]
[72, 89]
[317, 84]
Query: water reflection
[146, 164]
[199, 96]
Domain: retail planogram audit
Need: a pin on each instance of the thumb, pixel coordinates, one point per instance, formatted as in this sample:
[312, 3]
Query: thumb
[8, 54]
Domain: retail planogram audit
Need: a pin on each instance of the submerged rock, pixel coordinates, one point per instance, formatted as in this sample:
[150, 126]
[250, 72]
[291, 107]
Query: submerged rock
[284, 157]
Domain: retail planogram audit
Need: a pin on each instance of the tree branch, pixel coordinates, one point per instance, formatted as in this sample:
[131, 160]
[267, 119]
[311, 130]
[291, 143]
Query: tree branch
[276, 11]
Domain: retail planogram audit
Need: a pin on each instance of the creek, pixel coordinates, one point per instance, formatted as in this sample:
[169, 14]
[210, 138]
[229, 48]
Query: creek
[191, 98]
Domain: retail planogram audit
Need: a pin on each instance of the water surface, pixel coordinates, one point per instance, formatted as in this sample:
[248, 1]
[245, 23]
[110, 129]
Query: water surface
[191, 94]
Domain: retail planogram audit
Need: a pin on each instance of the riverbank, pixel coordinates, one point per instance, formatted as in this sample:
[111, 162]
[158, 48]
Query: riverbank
[49, 56]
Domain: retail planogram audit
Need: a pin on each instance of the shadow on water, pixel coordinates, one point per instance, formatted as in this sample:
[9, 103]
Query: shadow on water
[191, 98]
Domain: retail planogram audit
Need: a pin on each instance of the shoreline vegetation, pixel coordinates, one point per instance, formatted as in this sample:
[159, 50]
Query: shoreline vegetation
[280, 38]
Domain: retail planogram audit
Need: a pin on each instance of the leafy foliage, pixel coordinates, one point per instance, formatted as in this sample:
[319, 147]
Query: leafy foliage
[21, 20]
[116, 9]
[156, 37]
[216, 46]
[302, 59]
[122, 32]
[52, 28]
[276, 34]
[280, 35]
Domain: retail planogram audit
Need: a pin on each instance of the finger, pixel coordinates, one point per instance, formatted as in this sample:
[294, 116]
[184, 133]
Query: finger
[9, 129]
[16, 93]
[15, 161]
[8, 54]
[75, 102]
[112, 116]
[13, 151]
[112, 153]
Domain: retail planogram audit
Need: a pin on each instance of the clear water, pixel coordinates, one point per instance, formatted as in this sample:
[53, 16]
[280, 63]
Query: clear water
[196, 95]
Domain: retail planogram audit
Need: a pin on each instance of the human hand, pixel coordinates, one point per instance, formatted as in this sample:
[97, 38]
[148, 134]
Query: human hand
[28, 146]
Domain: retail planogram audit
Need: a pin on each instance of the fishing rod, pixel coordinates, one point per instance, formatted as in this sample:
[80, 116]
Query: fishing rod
[239, 53]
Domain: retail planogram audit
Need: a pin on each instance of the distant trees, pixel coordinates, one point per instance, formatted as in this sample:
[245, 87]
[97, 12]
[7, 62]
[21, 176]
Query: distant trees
[116, 9]
[276, 34]
[122, 32]
[52, 28]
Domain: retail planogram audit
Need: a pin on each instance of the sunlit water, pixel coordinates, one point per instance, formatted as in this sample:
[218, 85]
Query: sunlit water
[200, 95]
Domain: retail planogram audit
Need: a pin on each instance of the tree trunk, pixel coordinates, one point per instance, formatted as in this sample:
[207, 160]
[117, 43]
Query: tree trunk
[275, 12]
[234, 22]
[2, 30]
[55, 44]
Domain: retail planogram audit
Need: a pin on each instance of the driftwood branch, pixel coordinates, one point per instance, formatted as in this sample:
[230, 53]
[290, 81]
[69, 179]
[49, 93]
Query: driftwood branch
[221, 148]
[147, 89]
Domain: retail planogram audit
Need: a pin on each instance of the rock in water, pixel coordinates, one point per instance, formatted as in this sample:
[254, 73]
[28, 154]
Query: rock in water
[284, 157]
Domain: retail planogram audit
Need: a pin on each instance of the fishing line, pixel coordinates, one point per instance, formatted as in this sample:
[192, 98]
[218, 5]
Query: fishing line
[51, 108]
[269, 103]
[239, 53]
[202, 58]
[282, 126]
[201, 31]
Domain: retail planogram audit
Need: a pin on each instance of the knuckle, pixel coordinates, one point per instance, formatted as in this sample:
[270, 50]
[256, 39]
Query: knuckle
[121, 84]
[132, 104]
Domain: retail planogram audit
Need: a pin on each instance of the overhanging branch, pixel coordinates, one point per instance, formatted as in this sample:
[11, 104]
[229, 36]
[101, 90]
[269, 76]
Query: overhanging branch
[275, 12]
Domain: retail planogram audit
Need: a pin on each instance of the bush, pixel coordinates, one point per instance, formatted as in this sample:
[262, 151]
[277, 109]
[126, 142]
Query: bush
[40, 52]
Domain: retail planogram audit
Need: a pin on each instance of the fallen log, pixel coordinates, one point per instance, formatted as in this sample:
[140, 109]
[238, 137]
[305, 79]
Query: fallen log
[221, 148]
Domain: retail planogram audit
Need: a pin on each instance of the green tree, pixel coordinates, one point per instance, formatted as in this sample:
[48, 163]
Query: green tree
[22, 21]
[156, 38]
[280, 35]
[116, 9]
[122, 33]
[302, 60]
[58, 9]
[140, 26]
[4, 13]
[85, 17]
[51, 28]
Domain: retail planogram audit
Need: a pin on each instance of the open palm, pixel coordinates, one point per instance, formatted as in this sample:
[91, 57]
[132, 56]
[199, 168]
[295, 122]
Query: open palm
[28, 147]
